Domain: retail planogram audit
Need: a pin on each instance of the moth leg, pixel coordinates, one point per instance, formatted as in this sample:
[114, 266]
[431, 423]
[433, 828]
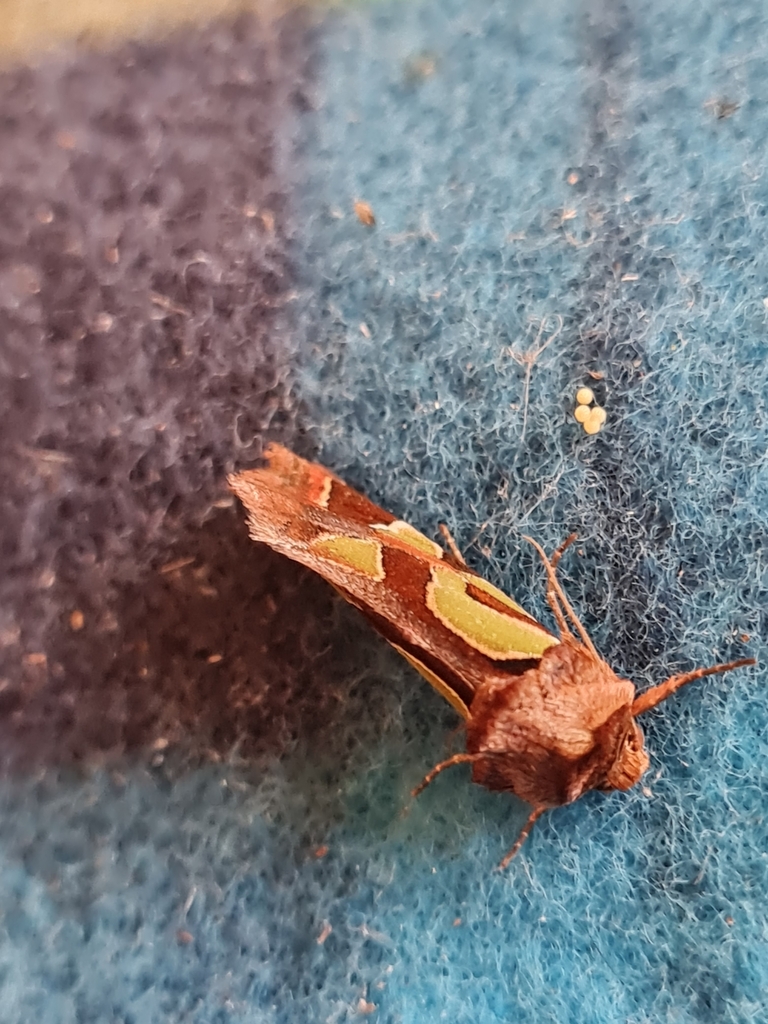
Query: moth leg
[559, 598]
[562, 549]
[557, 611]
[552, 598]
[456, 759]
[524, 833]
[452, 545]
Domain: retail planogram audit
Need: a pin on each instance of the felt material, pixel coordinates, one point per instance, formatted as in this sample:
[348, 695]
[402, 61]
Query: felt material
[201, 812]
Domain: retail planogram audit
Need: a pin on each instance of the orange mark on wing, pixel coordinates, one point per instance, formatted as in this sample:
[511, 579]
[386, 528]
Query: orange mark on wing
[319, 487]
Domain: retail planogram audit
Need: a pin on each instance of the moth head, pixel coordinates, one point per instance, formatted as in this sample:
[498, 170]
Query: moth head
[631, 760]
[622, 737]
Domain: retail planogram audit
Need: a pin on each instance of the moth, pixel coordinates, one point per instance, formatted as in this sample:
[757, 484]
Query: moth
[545, 717]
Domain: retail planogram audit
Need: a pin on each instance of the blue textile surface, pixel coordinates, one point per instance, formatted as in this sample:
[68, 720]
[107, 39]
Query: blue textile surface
[590, 177]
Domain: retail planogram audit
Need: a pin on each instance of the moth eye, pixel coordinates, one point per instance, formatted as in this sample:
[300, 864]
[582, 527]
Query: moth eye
[633, 742]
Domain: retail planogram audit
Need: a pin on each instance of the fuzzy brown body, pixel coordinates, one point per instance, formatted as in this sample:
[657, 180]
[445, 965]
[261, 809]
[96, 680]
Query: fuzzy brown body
[546, 718]
[560, 730]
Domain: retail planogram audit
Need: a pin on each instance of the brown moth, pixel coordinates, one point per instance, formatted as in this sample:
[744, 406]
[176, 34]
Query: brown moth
[546, 718]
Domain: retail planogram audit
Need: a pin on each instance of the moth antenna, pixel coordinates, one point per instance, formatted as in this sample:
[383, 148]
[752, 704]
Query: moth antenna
[524, 833]
[456, 759]
[659, 693]
[560, 593]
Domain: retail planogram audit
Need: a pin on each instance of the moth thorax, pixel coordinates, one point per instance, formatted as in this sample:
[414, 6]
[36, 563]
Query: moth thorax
[631, 760]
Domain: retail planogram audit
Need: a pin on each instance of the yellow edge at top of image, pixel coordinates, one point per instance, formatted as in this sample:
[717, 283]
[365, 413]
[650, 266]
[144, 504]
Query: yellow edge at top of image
[30, 27]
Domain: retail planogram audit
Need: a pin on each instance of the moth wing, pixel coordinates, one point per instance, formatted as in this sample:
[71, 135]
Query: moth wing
[312, 485]
[455, 628]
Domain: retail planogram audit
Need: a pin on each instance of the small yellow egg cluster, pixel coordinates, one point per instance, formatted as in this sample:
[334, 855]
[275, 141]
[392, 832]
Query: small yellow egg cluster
[591, 417]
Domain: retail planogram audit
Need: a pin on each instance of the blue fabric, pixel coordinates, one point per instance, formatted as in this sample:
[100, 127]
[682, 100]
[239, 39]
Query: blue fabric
[538, 173]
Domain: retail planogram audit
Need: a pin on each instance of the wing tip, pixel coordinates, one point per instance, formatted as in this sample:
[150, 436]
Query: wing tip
[278, 459]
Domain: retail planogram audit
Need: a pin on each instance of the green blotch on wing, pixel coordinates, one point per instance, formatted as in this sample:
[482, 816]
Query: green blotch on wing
[411, 536]
[358, 553]
[498, 636]
[481, 584]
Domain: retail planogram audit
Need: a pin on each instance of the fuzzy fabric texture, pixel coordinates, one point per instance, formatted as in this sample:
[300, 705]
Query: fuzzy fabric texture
[207, 754]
